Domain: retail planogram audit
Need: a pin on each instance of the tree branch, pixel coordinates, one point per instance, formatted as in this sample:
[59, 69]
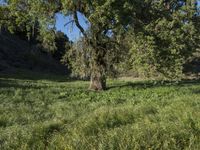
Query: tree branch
[68, 23]
[75, 16]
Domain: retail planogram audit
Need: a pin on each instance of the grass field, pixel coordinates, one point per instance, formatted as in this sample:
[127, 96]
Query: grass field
[38, 114]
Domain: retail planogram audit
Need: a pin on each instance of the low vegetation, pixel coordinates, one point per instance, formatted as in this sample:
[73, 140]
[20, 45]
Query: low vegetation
[149, 39]
[39, 113]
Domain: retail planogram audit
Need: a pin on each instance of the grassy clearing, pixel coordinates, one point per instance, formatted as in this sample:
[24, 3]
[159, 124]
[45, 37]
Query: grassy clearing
[49, 114]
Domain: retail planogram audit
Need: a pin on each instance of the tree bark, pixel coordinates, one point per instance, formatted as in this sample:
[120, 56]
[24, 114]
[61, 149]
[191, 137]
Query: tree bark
[97, 82]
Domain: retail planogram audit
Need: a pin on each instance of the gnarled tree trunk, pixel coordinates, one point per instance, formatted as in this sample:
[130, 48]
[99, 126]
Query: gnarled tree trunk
[97, 82]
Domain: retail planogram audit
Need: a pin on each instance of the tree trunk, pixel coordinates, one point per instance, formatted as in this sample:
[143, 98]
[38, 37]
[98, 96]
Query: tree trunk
[97, 82]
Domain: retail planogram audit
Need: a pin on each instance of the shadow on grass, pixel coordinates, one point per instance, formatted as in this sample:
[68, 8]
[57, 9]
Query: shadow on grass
[6, 83]
[10, 80]
[35, 76]
[154, 84]
[29, 83]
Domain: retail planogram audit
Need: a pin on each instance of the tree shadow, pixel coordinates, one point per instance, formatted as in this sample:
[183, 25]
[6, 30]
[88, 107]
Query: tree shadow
[27, 82]
[11, 80]
[154, 84]
[6, 83]
[36, 76]
[196, 91]
[192, 68]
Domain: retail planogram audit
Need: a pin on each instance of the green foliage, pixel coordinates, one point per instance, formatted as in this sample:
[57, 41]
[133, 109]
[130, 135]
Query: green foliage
[27, 17]
[48, 114]
[163, 45]
[83, 59]
[62, 44]
[15, 17]
[161, 35]
[99, 52]
[79, 59]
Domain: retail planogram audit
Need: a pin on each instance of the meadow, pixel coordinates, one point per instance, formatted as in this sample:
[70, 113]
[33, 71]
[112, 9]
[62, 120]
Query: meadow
[37, 113]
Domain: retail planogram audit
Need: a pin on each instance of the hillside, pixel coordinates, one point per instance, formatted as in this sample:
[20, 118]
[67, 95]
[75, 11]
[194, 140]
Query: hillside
[16, 54]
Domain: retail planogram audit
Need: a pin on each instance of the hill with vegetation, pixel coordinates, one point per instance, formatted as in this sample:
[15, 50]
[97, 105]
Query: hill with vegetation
[17, 54]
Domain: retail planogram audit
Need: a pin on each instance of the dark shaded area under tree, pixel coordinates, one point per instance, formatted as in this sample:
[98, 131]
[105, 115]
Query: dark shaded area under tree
[16, 54]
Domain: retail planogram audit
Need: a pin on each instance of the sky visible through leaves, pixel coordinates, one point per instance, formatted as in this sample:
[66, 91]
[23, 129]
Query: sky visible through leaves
[70, 29]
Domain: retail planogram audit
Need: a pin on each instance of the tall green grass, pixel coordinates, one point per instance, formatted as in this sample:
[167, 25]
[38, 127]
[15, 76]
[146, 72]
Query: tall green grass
[49, 114]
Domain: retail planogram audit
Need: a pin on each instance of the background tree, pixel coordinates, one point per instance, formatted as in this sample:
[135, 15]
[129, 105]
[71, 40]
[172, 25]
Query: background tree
[169, 38]
[62, 44]
[162, 34]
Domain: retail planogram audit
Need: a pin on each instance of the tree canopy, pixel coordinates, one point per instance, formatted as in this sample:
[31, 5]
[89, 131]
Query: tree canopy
[155, 37]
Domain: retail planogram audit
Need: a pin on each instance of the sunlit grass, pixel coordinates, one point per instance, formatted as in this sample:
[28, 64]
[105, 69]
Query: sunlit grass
[63, 114]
